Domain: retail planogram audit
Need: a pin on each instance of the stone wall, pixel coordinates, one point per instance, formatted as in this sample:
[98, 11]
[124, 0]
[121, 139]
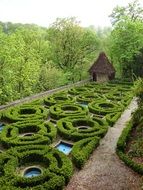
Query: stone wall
[42, 94]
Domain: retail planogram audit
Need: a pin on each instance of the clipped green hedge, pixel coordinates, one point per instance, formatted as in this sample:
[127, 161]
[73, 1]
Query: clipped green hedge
[86, 98]
[121, 146]
[104, 107]
[44, 133]
[111, 118]
[100, 121]
[58, 98]
[82, 150]
[74, 128]
[63, 110]
[56, 168]
[25, 112]
[79, 90]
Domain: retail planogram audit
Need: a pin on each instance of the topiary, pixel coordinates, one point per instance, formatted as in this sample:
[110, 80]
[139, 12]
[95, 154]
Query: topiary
[77, 128]
[63, 110]
[18, 133]
[56, 168]
[25, 112]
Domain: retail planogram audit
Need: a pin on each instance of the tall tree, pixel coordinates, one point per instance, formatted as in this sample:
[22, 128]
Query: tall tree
[127, 38]
[132, 11]
[71, 44]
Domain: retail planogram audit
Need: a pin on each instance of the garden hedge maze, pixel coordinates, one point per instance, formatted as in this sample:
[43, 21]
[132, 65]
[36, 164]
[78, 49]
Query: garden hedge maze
[29, 134]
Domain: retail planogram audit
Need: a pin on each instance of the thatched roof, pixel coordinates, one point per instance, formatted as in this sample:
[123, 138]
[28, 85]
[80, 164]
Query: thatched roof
[102, 65]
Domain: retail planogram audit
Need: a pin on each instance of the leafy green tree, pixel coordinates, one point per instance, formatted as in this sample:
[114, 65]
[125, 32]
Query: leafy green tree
[126, 42]
[132, 11]
[71, 44]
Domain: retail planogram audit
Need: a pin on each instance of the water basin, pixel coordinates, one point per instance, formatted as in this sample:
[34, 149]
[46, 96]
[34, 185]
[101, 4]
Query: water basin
[32, 172]
[64, 147]
[84, 104]
[1, 126]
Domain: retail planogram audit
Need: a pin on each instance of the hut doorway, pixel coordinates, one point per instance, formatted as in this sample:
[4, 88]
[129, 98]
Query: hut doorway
[94, 76]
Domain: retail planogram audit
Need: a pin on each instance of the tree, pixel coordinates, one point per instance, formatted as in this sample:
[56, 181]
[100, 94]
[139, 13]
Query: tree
[126, 42]
[133, 11]
[71, 44]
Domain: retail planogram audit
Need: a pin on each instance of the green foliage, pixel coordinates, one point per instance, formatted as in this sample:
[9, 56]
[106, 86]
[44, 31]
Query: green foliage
[58, 111]
[138, 89]
[121, 146]
[77, 128]
[71, 45]
[133, 11]
[23, 112]
[126, 40]
[55, 174]
[14, 134]
[82, 150]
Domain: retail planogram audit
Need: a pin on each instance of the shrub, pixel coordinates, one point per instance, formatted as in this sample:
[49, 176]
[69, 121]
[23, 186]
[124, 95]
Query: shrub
[82, 150]
[74, 128]
[121, 146]
[104, 107]
[63, 110]
[56, 98]
[25, 112]
[56, 168]
[43, 133]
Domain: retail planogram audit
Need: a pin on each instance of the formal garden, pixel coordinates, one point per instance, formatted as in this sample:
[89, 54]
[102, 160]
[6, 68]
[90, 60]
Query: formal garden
[44, 141]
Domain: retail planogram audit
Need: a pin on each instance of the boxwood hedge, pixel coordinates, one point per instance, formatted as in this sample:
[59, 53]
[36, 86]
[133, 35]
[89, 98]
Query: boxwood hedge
[121, 146]
[54, 99]
[56, 172]
[63, 110]
[77, 128]
[15, 134]
[25, 112]
[82, 150]
[77, 123]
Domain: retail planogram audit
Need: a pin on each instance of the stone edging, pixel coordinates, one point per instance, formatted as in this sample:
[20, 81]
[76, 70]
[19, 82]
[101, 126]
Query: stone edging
[40, 95]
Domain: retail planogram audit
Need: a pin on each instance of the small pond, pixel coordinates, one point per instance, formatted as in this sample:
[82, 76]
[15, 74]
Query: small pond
[64, 147]
[83, 104]
[83, 127]
[26, 134]
[32, 172]
[1, 126]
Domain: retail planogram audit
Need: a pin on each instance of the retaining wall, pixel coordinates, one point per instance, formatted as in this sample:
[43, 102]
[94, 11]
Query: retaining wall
[42, 94]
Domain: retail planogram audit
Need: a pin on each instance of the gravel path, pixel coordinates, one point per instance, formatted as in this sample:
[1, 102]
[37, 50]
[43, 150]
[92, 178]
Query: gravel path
[104, 170]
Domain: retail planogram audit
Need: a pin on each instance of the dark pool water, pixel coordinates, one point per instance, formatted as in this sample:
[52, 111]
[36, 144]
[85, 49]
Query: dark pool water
[32, 172]
[1, 126]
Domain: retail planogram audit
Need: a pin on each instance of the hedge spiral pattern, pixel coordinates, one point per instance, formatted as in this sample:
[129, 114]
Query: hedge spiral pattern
[15, 134]
[80, 115]
[56, 167]
[78, 128]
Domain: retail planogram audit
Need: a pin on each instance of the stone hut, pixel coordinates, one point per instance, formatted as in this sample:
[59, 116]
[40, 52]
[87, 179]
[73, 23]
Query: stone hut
[102, 70]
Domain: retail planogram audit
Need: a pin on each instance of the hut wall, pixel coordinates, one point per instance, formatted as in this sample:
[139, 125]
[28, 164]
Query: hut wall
[102, 77]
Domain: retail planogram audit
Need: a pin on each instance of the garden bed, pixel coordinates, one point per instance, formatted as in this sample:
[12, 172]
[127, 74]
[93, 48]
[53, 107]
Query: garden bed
[80, 116]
